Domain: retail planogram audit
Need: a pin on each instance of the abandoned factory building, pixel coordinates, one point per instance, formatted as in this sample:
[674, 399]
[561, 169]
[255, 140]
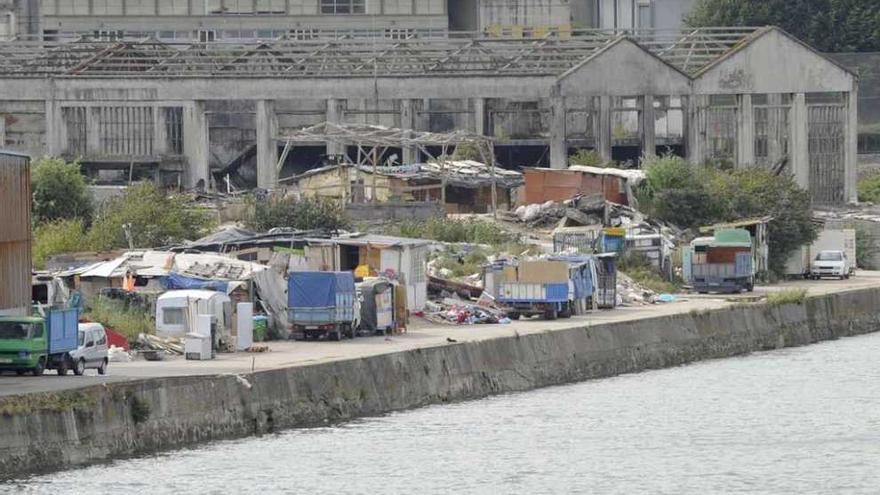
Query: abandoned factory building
[194, 113]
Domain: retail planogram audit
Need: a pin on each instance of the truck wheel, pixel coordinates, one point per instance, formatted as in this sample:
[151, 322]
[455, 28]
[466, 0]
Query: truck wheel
[349, 331]
[102, 370]
[550, 314]
[62, 367]
[336, 334]
[80, 367]
[565, 312]
[513, 316]
[39, 368]
[19, 372]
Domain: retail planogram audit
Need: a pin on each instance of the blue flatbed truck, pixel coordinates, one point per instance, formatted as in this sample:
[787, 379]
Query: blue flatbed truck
[321, 304]
[549, 288]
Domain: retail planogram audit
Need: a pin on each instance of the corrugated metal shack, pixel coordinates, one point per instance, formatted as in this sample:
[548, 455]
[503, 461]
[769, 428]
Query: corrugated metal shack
[15, 233]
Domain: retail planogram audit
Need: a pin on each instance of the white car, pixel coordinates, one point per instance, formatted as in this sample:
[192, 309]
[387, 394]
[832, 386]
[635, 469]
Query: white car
[92, 350]
[831, 264]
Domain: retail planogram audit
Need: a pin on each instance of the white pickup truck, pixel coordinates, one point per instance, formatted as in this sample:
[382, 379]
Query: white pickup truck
[831, 264]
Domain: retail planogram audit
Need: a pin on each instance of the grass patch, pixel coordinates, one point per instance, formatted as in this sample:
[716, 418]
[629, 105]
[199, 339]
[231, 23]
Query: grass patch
[637, 267]
[788, 296]
[127, 320]
[47, 402]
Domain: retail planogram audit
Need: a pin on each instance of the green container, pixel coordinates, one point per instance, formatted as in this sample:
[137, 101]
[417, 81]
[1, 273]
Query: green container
[261, 328]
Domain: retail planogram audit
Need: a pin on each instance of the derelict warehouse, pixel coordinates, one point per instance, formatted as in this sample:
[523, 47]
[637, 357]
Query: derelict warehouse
[190, 113]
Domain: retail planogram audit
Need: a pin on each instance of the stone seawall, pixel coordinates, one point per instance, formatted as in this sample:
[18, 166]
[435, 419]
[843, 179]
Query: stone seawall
[50, 431]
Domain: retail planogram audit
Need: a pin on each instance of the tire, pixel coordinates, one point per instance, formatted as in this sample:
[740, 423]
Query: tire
[19, 372]
[80, 367]
[63, 367]
[513, 316]
[39, 368]
[102, 370]
[566, 311]
[550, 314]
[336, 334]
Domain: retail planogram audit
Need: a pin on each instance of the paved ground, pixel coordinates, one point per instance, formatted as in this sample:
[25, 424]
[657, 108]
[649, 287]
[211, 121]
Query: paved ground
[420, 335]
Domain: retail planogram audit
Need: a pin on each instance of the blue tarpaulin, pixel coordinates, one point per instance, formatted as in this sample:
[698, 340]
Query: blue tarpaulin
[317, 289]
[175, 281]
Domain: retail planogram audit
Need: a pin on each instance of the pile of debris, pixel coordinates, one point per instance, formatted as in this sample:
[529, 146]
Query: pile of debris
[153, 347]
[630, 293]
[455, 311]
[581, 210]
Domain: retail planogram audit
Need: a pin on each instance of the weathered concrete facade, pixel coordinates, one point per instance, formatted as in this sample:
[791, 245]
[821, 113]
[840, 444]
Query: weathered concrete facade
[66, 429]
[764, 99]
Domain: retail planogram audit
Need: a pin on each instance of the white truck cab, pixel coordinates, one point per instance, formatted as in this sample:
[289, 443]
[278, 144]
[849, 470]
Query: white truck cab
[831, 263]
[91, 351]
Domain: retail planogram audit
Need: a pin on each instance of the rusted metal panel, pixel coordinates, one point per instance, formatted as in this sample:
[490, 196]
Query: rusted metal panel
[15, 282]
[15, 232]
[15, 197]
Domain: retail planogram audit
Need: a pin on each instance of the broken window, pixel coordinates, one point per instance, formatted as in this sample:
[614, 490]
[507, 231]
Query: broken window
[772, 129]
[343, 6]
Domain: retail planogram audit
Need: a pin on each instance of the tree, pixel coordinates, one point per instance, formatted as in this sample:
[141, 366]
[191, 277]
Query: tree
[59, 191]
[150, 217]
[827, 25]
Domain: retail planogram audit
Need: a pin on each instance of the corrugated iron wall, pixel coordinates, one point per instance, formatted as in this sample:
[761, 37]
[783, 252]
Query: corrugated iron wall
[15, 233]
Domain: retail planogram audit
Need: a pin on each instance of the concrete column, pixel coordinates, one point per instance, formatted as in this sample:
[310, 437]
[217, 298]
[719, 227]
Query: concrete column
[745, 135]
[267, 147]
[558, 145]
[775, 132]
[160, 131]
[2, 132]
[692, 129]
[851, 145]
[195, 145]
[409, 120]
[93, 131]
[799, 144]
[335, 115]
[603, 132]
[55, 139]
[649, 135]
[478, 116]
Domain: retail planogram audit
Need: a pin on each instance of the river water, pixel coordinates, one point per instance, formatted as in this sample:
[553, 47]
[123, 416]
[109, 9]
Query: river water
[800, 421]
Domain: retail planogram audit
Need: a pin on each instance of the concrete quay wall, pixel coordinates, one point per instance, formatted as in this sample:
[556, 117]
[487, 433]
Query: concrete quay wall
[51, 431]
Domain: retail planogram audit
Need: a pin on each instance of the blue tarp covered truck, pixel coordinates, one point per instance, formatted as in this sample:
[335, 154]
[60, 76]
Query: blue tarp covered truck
[321, 304]
[553, 288]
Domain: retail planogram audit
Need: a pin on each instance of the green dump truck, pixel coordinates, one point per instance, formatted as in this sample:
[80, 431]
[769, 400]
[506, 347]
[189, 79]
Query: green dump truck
[32, 344]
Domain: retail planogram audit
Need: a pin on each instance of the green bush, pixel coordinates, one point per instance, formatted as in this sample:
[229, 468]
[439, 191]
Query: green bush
[129, 321]
[866, 248]
[150, 217]
[467, 151]
[454, 230]
[304, 214]
[59, 191]
[588, 158]
[56, 237]
[869, 190]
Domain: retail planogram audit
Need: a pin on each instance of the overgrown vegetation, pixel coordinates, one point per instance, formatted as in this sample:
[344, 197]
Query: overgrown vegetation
[454, 230]
[128, 320]
[690, 196]
[788, 296]
[828, 25]
[149, 217]
[869, 189]
[59, 236]
[59, 191]
[637, 267]
[142, 217]
[303, 214]
[586, 157]
[467, 151]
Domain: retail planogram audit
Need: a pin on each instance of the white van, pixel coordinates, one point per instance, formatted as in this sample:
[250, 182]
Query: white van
[92, 349]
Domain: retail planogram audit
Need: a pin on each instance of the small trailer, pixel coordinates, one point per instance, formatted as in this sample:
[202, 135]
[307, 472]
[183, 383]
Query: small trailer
[722, 263]
[377, 306]
[322, 304]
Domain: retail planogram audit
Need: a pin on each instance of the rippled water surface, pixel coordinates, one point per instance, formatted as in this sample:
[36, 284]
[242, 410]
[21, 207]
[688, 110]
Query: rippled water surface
[802, 421]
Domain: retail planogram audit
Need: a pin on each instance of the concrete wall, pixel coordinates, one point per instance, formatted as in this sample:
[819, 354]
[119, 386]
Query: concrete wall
[54, 431]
